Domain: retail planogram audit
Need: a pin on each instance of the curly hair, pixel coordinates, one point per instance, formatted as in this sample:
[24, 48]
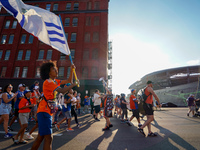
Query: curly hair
[45, 69]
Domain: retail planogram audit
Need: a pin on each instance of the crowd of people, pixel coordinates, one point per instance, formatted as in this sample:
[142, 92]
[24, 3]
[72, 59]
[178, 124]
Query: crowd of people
[58, 97]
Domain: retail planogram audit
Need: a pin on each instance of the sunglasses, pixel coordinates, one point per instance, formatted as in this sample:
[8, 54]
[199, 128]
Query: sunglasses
[10, 87]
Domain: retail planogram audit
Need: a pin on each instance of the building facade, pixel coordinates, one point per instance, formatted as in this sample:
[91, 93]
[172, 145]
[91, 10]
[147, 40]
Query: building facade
[86, 27]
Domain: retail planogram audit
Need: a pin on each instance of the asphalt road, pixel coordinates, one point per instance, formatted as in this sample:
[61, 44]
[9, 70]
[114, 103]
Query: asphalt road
[175, 131]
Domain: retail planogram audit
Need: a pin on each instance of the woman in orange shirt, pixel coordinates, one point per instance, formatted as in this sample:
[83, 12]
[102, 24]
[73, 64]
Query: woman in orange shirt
[51, 86]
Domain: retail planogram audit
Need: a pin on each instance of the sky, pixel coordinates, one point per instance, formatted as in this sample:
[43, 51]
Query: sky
[151, 35]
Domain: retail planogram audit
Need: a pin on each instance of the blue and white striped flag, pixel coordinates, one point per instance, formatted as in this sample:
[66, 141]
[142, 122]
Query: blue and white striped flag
[43, 24]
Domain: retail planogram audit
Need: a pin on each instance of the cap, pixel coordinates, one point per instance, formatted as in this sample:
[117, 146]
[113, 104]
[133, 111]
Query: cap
[149, 82]
[132, 90]
[26, 91]
[20, 85]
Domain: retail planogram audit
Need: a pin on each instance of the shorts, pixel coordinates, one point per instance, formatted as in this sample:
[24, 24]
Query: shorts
[5, 108]
[148, 108]
[34, 108]
[135, 113]
[16, 112]
[44, 123]
[191, 108]
[68, 114]
[24, 118]
[97, 108]
[118, 105]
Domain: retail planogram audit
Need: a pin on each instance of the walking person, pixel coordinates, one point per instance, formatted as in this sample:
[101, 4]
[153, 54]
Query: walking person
[5, 107]
[51, 86]
[25, 106]
[20, 95]
[78, 106]
[108, 106]
[134, 107]
[148, 107]
[124, 108]
[191, 105]
[97, 103]
[86, 104]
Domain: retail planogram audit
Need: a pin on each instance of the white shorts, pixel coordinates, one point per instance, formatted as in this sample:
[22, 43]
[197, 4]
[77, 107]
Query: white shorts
[5, 108]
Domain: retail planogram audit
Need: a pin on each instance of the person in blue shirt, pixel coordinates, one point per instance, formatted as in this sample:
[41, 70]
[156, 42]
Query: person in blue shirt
[5, 107]
[86, 103]
[20, 95]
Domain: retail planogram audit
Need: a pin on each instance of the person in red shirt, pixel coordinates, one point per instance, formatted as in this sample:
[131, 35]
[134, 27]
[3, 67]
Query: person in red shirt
[51, 86]
[148, 107]
[134, 107]
[25, 106]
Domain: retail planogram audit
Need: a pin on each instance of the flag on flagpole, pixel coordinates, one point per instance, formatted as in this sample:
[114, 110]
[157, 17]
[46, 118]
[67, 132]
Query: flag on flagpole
[43, 24]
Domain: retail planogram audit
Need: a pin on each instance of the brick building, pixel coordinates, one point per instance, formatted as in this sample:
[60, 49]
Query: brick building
[86, 26]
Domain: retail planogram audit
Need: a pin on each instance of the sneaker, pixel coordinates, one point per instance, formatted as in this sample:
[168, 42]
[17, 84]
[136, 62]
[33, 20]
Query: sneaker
[97, 119]
[29, 136]
[8, 135]
[106, 128]
[188, 114]
[141, 131]
[152, 134]
[57, 126]
[79, 125]
[110, 126]
[26, 130]
[101, 117]
[10, 129]
[139, 125]
[70, 129]
[122, 121]
[32, 119]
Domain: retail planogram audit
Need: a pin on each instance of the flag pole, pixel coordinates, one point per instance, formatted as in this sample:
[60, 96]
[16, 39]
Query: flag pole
[70, 57]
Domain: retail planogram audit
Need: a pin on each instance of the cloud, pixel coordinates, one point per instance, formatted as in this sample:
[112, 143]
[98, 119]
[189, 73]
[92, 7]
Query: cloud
[193, 62]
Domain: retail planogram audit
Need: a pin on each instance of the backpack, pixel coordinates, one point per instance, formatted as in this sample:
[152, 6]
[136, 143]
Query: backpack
[143, 95]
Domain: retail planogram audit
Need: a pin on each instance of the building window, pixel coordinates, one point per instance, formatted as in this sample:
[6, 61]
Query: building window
[68, 6]
[62, 56]
[96, 5]
[14, 25]
[61, 72]
[84, 72]
[72, 53]
[3, 72]
[89, 5]
[94, 73]
[95, 37]
[23, 38]
[16, 73]
[49, 55]
[48, 7]
[10, 41]
[66, 35]
[75, 22]
[28, 55]
[20, 54]
[37, 73]
[7, 55]
[88, 21]
[55, 7]
[30, 39]
[7, 24]
[96, 20]
[95, 54]
[86, 54]
[87, 37]
[41, 55]
[76, 5]
[73, 37]
[3, 39]
[1, 53]
[67, 21]
[24, 72]
[68, 71]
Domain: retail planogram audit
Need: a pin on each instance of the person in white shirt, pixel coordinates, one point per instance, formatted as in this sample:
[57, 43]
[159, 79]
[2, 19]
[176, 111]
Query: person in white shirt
[97, 103]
